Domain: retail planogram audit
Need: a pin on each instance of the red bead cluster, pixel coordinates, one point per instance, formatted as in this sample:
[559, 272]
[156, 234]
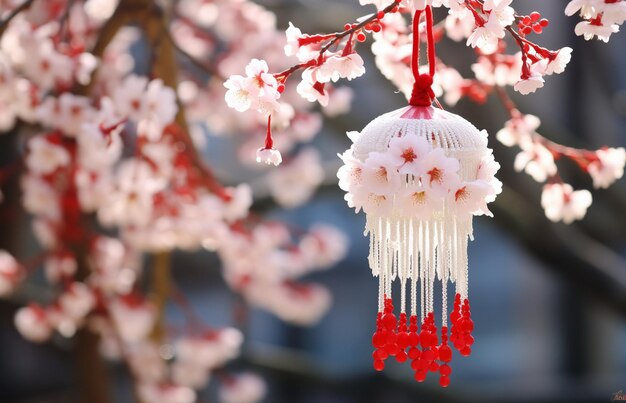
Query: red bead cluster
[401, 339]
[531, 23]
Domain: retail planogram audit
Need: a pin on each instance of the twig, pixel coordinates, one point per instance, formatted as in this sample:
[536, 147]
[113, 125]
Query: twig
[286, 73]
[199, 64]
[22, 7]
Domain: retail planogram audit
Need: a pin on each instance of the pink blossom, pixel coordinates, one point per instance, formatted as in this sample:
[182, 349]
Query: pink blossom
[242, 388]
[10, 273]
[417, 201]
[608, 168]
[269, 156]
[44, 157]
[339, 101]
[311, 89]
[440, 173]
[292, 184]
[32, 323]
[380, 174]
[350, 174]
[529, 84]
[165, 393]
[133, 317]
[486, 37]
[557, 63]
[335, 67]
[60, 266]
[518, 130]
[211, 350]
[589, 31]
[562, 203]
[503, 12]
[536, 160]
[470, 198]
[77, 301]
[407, 153]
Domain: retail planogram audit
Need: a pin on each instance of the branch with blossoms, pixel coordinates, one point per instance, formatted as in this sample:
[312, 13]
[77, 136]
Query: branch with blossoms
[484, 25]
[118, 147]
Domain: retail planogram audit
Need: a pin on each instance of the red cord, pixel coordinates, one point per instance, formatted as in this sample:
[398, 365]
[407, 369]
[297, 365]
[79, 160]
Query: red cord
[422, 94]
[269, 141]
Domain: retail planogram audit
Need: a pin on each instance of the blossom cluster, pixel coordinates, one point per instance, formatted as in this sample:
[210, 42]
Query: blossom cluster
[601, 18]
[537, 158]
[111, 145]
[413, 179]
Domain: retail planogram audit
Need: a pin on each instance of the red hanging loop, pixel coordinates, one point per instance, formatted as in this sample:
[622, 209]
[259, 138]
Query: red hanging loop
[422, 94]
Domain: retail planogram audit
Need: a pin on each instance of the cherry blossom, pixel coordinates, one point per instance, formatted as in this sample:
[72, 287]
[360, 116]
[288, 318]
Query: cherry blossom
[407, 153]
[518, 130]
[562, 203]
[294, 183]
[10, 273]
[32, 323]
[381, 174]
[536, 160]
[528, 85]
[486, 37]
[44, 156]
[335, 67]
[440, 172]
[269, 156]
[608, 168]
[242, 388]
[470, 198]
[589, 30]
[418, 201]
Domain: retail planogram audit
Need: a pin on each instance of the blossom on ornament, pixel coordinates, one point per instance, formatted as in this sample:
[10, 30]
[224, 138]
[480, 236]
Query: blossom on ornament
[588, 8]
[529, 84]
[562, 203]
[536, 160]
[417, 200]
[32, 323]
[470, 198]
[608, 167]
[440, 173]
[268, 156]
[486, 171]
[44, 156]
[380, 174]
[350, 174]
[293, 40]
[242, 388]
[10, 273]
[408, 152]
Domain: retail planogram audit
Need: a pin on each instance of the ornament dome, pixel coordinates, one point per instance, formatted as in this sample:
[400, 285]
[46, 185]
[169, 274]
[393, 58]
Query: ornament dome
[456, 136]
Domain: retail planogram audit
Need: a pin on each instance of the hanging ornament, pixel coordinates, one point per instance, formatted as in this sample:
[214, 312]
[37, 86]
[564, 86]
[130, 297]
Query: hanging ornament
[420, 174]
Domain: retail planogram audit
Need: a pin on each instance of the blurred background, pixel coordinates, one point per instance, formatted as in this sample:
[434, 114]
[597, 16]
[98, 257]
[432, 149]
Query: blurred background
[548, 300]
